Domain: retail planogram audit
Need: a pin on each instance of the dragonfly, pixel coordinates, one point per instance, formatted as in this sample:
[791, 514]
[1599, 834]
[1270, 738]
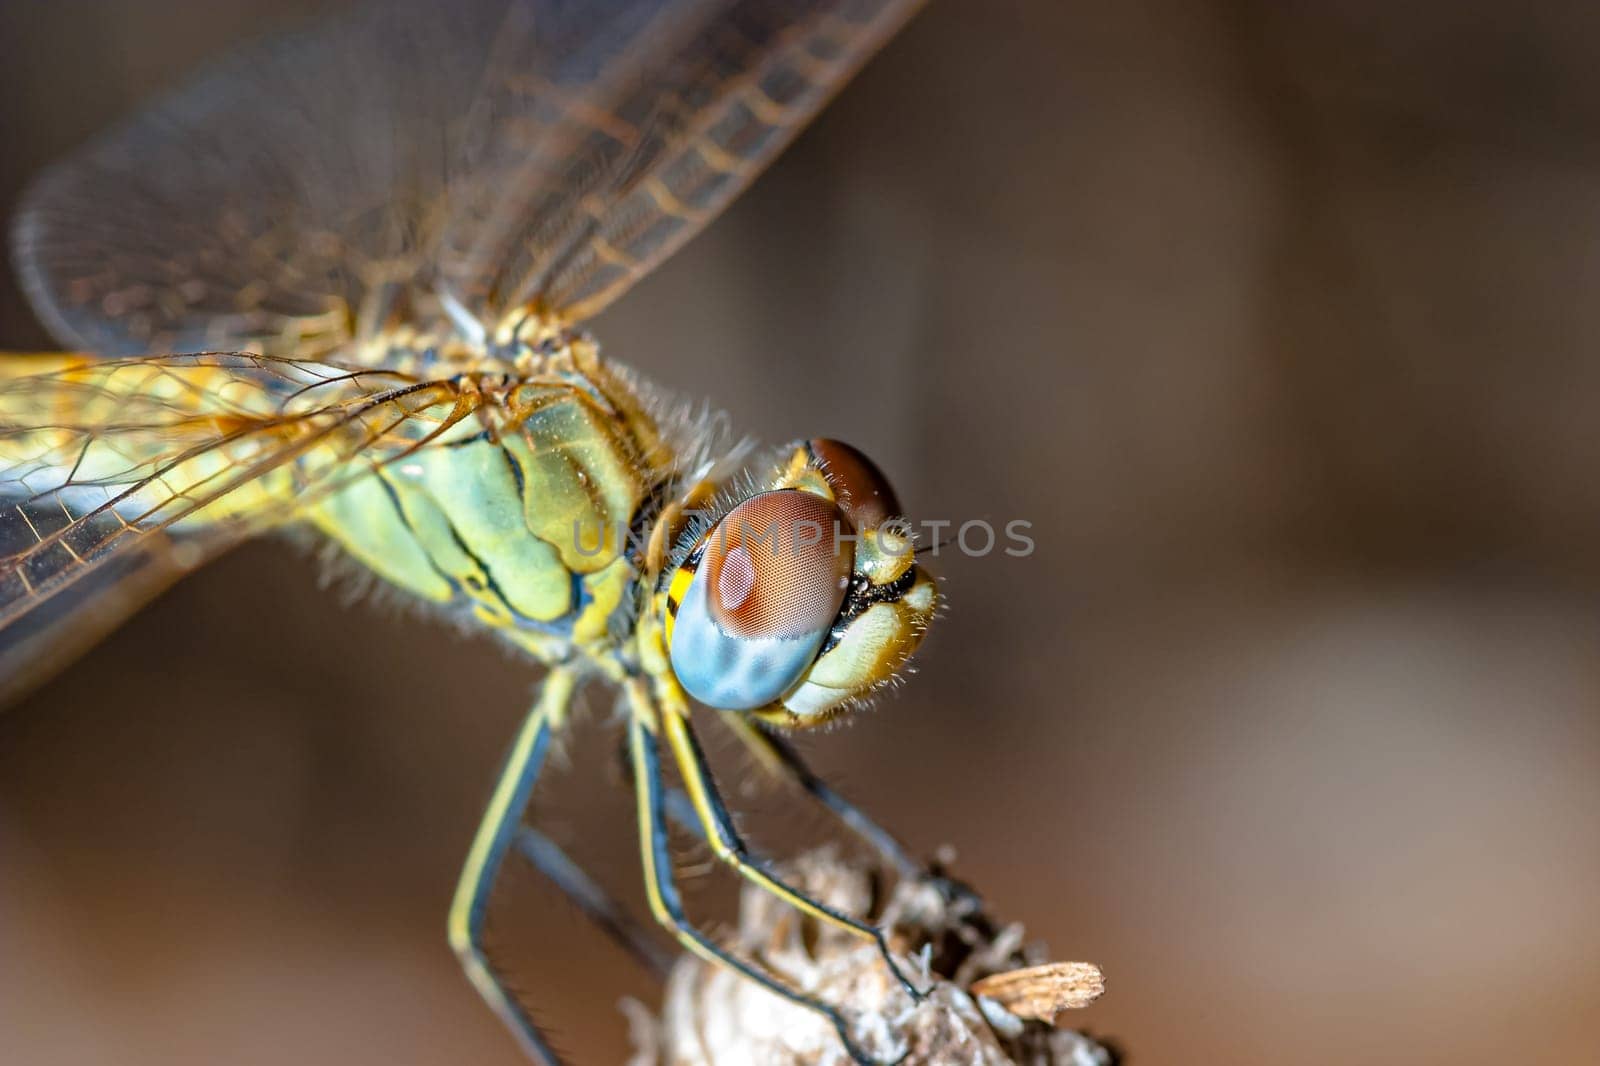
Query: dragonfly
[339, 281]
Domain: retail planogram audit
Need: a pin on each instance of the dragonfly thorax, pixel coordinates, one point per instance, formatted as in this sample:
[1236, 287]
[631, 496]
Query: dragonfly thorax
[523, 515]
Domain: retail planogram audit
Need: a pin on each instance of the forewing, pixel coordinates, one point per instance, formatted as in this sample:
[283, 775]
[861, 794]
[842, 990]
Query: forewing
[447, 166]
[117, 477]
[641, 159]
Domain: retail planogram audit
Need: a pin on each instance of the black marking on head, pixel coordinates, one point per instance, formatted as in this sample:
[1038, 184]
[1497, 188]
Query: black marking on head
[862, 595]
[688, 566]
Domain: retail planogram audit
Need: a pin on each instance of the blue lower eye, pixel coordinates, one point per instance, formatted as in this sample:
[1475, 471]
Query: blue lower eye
[734, 673]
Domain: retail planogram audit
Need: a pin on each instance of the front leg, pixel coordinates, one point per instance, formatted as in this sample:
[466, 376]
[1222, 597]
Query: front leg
[778, 757]
[661, 888]
[729, 847]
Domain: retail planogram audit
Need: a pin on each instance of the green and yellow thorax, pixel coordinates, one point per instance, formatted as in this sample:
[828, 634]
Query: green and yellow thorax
[520, 517]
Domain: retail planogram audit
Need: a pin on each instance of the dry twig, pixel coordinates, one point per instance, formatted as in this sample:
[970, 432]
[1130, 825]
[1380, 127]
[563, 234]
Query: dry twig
[991, 1004]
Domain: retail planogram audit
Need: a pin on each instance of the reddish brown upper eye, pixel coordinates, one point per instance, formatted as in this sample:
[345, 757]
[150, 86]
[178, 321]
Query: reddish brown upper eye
[775, 567]
[863, 492]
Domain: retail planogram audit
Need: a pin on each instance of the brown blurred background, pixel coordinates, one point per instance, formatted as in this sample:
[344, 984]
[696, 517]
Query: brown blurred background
[1277, 320]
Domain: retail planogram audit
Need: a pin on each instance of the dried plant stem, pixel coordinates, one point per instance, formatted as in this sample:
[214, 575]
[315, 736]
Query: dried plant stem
[991, 1003]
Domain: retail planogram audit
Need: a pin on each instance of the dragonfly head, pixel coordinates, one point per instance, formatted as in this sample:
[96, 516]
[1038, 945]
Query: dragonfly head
[802, 599]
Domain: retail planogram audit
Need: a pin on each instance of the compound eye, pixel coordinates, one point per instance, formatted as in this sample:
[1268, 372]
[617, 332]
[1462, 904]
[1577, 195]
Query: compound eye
[863, 493]
[770, 583]
[774, 567]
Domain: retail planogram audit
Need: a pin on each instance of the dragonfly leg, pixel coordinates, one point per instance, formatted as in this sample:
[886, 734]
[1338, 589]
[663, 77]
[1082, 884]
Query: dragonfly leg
[662, 890]
[676, 802]
[546, 856]
[779, 757]
[497, 831]
[730, 848]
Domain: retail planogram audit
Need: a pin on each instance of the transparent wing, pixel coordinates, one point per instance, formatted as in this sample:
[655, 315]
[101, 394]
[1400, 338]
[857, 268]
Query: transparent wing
[117, 477]
[446, 166]
[643, 162]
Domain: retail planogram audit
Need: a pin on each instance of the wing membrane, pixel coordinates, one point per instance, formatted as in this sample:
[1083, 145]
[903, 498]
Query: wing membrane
[648, 157]
[133, 472]
[445, 166]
